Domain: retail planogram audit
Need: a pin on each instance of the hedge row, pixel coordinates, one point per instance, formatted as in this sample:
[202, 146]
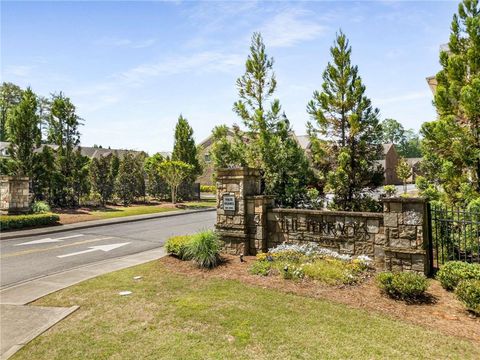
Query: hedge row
[208, 189]
[8, 222]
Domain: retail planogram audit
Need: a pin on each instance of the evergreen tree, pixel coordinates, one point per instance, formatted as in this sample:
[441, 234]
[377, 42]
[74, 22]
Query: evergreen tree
[228, 151]
[80, 179]
[115, 165]
[139, 172]
[156, 186]
[344, 115]
[24, 132]
[268, 142]
[451, 144]
[10, 96]
[101, 177]
[63, 131]
[126, 183]
[184, 148]
[45, 172]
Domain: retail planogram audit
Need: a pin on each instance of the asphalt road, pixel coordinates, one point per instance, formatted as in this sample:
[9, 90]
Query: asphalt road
[31, 257]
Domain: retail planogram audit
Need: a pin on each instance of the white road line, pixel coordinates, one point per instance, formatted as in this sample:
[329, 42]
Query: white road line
[49, 240]
[104, 248]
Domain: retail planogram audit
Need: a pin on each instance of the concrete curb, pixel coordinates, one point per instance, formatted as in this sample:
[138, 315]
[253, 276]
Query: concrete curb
[96, 223]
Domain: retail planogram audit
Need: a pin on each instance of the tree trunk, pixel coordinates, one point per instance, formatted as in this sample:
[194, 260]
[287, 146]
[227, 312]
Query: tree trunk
[174, 195]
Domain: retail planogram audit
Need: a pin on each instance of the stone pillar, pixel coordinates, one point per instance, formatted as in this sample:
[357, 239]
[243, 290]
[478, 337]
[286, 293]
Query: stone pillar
[257, 222]
[232, 225]
[405, 221]
[14, 194]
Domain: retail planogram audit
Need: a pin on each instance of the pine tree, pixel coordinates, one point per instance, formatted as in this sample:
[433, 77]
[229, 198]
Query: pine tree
[269, 145]
[451, 144]
[101, 177]
[10, 96]
[344, 115]
[184, 148]
[24, 132]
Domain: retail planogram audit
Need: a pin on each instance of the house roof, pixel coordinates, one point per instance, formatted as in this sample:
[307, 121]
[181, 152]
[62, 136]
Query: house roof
[303, 141]
[91, 152]
[387, 147]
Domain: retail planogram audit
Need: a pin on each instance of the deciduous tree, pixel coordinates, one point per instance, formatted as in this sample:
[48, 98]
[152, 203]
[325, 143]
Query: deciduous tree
[24, 132]
[10, 96]
[404, 171]
[174, 173]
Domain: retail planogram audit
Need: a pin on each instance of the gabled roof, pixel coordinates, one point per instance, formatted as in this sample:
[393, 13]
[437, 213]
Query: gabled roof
[303, 141]
[208, 141]
[387, 147]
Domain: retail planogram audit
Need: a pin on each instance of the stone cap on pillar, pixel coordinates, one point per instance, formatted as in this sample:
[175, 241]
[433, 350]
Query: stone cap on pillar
[404, 199]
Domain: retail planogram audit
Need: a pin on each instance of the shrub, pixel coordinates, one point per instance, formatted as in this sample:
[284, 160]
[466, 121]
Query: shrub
[21, 221]
[331, 272]
[292, 271]
[177, 245]
[40, 207]
[204, 249]
[260, 268]
[453, 272]
[403, 285]
[389, 190]
[208, 188]
[468, 291]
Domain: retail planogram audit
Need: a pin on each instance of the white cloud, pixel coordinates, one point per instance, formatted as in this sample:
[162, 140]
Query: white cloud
[128, 43]
[207, 61]
[290, 27]
[18, 70]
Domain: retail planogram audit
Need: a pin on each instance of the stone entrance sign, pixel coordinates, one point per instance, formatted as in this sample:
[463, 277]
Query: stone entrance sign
[248, 223]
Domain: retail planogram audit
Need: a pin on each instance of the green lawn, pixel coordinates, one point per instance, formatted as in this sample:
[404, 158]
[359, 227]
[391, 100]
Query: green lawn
[172, 316]
[114, 212]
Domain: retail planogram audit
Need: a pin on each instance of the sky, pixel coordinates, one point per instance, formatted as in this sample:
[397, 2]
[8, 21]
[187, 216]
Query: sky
[131, 68]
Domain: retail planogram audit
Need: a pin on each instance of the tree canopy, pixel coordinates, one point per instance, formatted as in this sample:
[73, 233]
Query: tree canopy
[451, 144]
[345, 131]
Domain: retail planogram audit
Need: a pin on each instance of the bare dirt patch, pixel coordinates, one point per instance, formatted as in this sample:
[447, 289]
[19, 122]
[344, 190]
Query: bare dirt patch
[443, 313]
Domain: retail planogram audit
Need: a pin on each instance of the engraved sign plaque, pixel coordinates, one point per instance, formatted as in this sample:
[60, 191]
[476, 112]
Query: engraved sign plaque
[229, 202]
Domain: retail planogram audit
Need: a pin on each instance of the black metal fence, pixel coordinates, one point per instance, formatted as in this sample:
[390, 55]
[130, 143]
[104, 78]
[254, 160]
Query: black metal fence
[454, 234]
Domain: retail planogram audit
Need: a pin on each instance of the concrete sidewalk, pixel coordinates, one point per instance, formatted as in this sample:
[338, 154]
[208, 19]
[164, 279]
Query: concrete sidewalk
[94, 223]
[21, 323]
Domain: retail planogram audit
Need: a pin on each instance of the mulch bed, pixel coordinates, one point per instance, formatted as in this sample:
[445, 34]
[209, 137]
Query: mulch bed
[443, 312]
